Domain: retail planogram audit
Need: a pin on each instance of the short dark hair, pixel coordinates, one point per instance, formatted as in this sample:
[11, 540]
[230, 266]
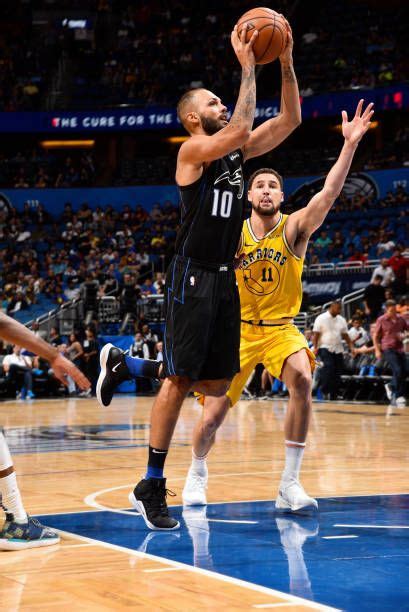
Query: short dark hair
[264, 171]
[390, 303]
[378, 277]
[184, 101]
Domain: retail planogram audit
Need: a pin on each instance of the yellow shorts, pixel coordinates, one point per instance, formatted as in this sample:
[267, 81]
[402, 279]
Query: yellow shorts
[270, 346]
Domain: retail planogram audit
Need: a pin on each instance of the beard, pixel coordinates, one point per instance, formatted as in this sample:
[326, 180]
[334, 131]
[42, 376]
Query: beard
[266, 212]
[210, 125]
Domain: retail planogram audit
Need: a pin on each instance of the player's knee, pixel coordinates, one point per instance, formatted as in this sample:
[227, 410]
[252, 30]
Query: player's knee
[221, 389]
[301, 383]
[214, 388]
[182, 383]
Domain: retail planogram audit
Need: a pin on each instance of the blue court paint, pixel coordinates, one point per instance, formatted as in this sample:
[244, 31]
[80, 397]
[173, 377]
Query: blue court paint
[282, 552]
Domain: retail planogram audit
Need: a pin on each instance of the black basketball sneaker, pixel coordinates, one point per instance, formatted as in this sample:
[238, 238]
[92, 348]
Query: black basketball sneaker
[149, 498]
[113, 372]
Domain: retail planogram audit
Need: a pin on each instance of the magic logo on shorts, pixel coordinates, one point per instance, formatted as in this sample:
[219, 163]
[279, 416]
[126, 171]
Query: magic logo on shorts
[261, 270]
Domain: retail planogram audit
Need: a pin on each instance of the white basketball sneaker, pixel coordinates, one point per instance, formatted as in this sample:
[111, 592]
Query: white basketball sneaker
[194, 492]
[401, 402]
[292, 498]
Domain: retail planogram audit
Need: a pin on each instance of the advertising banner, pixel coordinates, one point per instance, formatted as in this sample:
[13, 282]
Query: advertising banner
[162, 118]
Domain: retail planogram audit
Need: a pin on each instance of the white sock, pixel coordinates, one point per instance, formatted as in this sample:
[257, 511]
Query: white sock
[199, 463]
[10, 494]
[294, 452]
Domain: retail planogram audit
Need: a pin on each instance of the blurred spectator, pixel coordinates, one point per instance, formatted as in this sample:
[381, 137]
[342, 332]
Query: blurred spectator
[18, 370]
[72, 290]
[390, 331]
[91, 359]
[385, 271]
[18, 302]
[35, 328]
[159, 351]
[54, 338]
[159, 283]
[402, 308]
[374, 296]
[400, 267]
[330, 329]
[74, 350]
[147, 288]
[358, 335]
[150, 338]
[139, 348]
[323, 241]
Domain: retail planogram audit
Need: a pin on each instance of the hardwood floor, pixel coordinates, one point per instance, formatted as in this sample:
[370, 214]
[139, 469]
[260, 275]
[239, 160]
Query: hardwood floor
[72, 456]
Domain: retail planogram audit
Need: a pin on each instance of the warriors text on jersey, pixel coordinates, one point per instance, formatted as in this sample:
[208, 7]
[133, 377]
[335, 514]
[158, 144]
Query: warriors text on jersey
[269, 278]
[212, 212]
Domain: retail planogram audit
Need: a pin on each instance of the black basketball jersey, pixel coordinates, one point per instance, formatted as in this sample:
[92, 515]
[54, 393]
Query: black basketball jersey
[212, 210]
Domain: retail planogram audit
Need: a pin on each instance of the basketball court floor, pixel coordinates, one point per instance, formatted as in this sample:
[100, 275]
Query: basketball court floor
[77, 463]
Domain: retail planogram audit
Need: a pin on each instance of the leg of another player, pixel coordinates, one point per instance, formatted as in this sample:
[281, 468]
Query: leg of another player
[297, 377]
[204, 436]
[10, 493]
[19, 530]
[149, 495]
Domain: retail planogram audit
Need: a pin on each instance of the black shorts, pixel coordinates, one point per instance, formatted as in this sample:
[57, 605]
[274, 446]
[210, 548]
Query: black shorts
[202, 333]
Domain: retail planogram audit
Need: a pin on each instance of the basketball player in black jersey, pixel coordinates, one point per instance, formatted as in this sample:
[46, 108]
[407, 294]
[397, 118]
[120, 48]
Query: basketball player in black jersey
[202, 334]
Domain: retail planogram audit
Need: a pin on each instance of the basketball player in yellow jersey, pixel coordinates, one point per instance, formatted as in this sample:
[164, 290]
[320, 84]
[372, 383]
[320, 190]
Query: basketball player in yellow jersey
[272, 250]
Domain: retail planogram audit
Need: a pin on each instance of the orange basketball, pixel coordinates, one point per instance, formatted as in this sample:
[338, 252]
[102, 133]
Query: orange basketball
[272, 33]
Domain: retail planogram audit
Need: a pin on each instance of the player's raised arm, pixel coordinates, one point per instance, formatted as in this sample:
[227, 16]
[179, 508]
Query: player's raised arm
[272, 132]
[203, 147]
[303, 223]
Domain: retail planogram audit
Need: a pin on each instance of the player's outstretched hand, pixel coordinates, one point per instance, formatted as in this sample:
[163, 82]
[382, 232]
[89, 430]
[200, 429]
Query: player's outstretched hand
[287, 53]
[62, 367]
[354, 130]
[243, 49]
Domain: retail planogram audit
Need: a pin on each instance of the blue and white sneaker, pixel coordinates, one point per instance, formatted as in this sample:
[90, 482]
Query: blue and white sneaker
[31, 534]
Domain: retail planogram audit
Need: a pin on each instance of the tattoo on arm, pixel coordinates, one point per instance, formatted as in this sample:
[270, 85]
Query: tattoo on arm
[288, 73]
[246, 102]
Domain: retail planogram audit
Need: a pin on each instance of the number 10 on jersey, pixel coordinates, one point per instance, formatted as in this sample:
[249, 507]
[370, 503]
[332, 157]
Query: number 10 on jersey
[222, 203]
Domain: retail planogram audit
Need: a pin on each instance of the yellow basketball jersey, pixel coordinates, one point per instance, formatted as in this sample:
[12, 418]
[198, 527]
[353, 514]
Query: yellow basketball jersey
[269, 278]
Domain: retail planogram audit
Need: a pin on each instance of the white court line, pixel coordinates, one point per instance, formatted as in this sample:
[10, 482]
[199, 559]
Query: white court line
[374, 526]
[339, 537]
[209, 574]
[90, 500]
[163, 569]
[273, 605]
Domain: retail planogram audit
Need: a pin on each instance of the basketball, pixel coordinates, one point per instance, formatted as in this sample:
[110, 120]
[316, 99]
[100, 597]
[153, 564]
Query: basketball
[272, 33]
